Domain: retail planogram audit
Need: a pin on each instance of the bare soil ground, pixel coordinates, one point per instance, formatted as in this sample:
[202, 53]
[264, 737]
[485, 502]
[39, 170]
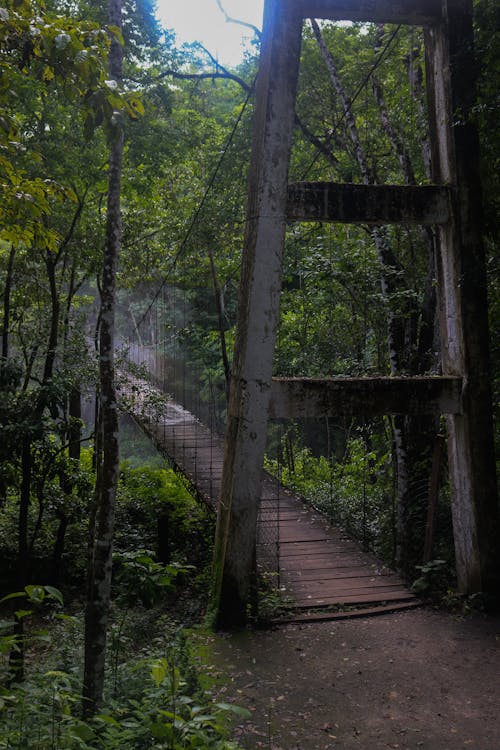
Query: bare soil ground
[417, 680]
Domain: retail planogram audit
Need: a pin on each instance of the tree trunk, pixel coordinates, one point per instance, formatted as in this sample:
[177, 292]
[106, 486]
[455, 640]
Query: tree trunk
[163, 528]
[413, 434]
[16, 658]
[50, 263]
[65, 480]
[99, 589]
[220, 321]
[410, 337]
[6, 305]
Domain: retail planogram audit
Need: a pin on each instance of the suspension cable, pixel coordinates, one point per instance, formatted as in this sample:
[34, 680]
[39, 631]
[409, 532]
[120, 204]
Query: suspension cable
[199, 209]
[358, 91]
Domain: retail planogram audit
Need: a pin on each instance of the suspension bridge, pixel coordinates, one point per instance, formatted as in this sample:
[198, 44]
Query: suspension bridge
[315, 564]
[319, 571]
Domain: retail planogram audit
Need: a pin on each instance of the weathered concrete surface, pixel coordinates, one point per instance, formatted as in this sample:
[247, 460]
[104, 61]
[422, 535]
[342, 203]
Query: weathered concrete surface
[463, 303]
[258, 314]
[305, 397]
[415, 12]
[368, 204]
[461, 280]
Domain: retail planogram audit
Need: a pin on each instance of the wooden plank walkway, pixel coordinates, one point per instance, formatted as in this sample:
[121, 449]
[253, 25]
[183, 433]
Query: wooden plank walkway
[317, 566]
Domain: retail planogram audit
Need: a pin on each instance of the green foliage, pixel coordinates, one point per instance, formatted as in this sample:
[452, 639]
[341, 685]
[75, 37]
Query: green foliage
[62, 490]
[42, 54]
[165, 716]
[144, 495]
[36, 595]
[434, 578]
[273, 602]
[157, 706]
[15, 637]
[139, 577]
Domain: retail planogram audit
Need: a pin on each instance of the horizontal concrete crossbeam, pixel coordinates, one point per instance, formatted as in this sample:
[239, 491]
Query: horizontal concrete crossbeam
[305, 397]
[368, 204]
[411, 12]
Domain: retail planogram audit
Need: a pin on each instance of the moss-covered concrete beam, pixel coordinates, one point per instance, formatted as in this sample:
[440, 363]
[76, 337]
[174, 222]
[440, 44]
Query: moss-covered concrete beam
[368, 204]
[411, 12]
[306, 397]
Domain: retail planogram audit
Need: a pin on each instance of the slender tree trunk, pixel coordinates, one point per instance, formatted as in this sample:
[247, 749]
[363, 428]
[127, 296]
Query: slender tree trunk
[6, 304]
[388, 264]
[16, 658]
[66, 481]
[6, 340]
[24, 547]
[220, 322]
[412, 435]
[50, 263]
[99, 589]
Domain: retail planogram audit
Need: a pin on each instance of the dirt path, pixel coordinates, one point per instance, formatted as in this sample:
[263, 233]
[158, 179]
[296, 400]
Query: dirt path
[415, 680]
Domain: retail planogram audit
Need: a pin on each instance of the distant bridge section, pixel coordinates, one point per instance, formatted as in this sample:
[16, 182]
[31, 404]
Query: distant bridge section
[320, 571]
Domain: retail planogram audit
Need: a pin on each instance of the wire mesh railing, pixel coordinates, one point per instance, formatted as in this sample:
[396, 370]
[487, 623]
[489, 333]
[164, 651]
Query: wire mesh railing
[179, 398]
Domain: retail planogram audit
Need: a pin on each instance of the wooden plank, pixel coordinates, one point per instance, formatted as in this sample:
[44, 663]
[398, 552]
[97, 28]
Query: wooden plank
[295, 566]
[368, 204]
[327, 601]
[314, 552]
[411, 12]
[347, 615]
[349, 586]
[319, 564]
[334, 575]
[301, 534]
[312, 398]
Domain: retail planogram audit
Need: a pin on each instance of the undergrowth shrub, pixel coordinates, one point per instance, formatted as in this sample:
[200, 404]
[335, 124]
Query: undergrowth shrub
[153, 700]
[156, 511]
[63, 493]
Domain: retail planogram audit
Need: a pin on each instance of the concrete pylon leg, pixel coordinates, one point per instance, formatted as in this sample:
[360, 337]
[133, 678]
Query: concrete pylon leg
[258, 316]
[461, 289]
[462, 299]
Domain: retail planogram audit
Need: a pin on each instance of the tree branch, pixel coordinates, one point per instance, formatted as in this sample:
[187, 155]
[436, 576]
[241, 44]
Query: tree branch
[199, 76]
[317, 142]
[229, 19]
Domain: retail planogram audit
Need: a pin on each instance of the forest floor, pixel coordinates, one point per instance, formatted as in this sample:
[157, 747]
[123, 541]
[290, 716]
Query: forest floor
[417, 680]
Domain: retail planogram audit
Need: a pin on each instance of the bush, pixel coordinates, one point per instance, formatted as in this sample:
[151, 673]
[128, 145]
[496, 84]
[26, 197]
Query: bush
[155, 511]
[155, 704]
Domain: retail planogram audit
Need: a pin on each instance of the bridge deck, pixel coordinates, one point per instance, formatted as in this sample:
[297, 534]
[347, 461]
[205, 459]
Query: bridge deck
[316, 564]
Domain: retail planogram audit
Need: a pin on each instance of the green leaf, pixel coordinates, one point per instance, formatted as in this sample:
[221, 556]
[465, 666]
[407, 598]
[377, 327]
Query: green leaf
[44, 637]
[21, 613]
[54, 594]
[116, 33]
[238, 710]
[66, 618]
[35, 593]
[160, 731]
[159, 670]
[81, 56]
[62, 40]
[107, 719]
[15, 595]
[83, 731]
[7, 624]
